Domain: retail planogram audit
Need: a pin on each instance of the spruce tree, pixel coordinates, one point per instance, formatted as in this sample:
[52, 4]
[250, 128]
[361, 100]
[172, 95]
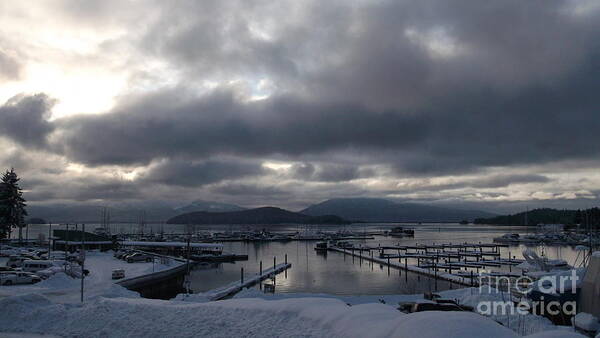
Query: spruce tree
[12, 205]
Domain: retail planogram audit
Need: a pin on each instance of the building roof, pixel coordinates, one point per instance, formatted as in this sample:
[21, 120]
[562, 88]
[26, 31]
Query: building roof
[77, 235]
[172, 244]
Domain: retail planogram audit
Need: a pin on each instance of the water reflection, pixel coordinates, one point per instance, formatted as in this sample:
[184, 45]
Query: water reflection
[336, 273]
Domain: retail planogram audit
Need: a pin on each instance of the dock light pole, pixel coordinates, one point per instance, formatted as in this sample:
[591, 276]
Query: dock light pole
[49, 235]
[260, 268]
[66, 241]
[242, 275]
[187, 284]
[274, 262]
[82, 258]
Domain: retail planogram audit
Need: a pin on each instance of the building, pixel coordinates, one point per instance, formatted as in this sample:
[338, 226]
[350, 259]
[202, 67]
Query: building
[71, 240]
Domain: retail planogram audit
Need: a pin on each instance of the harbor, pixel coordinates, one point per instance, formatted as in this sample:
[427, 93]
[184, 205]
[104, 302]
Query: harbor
[432, 252]
[428, 262]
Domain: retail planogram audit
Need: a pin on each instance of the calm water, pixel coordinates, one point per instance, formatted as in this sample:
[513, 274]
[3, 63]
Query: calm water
[334, 273]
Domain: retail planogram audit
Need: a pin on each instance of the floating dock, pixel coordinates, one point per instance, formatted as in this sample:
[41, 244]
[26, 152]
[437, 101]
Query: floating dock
[412, 268]
[235, 287]
[438, 260]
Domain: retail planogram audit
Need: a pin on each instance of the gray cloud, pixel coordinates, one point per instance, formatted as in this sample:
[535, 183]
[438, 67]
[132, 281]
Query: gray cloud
[249, 190]
[24, 119]
[219, 124]
[500, 181]
[426, 87]
[186, 173]
[327, 172]
[376, 89]
[10, 68]
[487, 181]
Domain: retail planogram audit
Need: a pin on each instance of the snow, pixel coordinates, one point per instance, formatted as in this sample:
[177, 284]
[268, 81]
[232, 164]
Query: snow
[522, 324]
[565, 277]
[556, 334]
[118, 312]
[354, 300]
[586, 321]
[297, 317]
[52, 307]
[59, 280]
[97, 284]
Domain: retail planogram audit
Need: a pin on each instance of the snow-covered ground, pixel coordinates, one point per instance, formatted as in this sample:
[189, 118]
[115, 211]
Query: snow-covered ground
[62, 288]
[522, 324]
[249, 317]
[53, 307]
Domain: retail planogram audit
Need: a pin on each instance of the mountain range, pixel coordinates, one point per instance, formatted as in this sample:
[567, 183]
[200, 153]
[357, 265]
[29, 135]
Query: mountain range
[264, 215]
[383, 210]
[152, 211]
[351, 209]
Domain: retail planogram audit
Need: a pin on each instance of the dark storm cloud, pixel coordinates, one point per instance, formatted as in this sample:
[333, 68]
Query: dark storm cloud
[249, 189]
[327, 172]
[24, 119]
[488, 181]
[80, 189]
[168, 124]
[500, 181]
[303, 171]
[426, 87]
[520, 92]
[186, 173]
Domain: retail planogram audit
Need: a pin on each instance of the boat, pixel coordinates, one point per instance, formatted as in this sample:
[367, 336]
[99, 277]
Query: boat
[534, 263]
[507, 238]
[321, 246]
[401, 232]
[101, 231]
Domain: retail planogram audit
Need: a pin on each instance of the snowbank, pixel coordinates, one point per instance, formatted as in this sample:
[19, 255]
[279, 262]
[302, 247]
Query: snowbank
[249, 317]
[59, 281]
[98, 283]
[377, 320]
[556, 334]
[586, 322]
[354, 300]
[522, 324]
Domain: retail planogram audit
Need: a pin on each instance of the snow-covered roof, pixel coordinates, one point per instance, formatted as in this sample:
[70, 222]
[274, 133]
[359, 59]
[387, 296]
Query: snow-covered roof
[173, 244]
[80, 242]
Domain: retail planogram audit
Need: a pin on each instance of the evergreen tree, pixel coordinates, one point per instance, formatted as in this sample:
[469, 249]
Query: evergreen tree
[12, 205]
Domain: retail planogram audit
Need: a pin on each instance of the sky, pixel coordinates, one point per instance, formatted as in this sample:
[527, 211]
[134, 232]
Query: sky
[480, 104]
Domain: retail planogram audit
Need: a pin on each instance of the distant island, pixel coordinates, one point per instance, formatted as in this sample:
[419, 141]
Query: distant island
[545, 216]
[264, 215]
[384, 210]
[36, 220]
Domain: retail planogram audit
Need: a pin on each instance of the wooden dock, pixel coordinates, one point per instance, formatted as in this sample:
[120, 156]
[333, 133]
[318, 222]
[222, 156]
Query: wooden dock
[406, 267]
[235, 287]
[438, 260]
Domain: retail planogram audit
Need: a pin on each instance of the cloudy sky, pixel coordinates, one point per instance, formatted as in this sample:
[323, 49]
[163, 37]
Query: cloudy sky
[493, 104]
